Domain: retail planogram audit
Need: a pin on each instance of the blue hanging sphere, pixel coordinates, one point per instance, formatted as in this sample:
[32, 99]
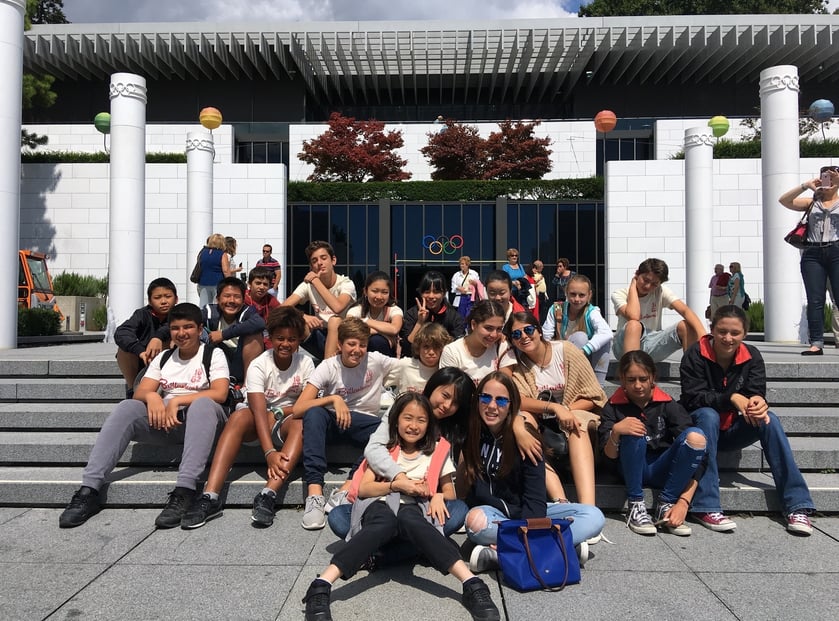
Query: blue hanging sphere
[821, 110]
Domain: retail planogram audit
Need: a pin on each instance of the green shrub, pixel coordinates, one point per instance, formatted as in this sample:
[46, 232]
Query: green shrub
[99, 319]
[828, 318]
[750, 149]
[755, 315]
[37, 322]
[590, 188]
[99, 157]
[71, 283]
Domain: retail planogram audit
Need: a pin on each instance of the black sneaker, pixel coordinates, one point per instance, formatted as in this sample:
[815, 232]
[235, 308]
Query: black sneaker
[202, 510]
[478, 601]
[317, 601]
[263, 509]
[176, 506]
[83, 505]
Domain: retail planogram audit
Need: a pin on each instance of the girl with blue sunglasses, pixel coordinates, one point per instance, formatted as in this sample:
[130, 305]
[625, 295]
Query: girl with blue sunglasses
[499, 484]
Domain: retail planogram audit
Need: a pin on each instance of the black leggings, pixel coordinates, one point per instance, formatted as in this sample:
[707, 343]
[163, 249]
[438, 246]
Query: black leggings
[379, 525]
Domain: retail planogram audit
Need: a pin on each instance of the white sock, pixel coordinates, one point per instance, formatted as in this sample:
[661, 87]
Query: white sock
[268, 492]
[212, 495]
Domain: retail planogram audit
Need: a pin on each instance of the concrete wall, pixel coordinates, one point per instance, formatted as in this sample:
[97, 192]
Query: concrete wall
[65, 213]
[573, 147]
[159, 138]
[645, 217]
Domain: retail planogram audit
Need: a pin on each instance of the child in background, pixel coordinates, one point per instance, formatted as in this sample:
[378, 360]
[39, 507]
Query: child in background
[258, 295]
[411, 374]
[143, 335]
[582, 324]
[349, 410]
[654, 443]
[274, 382]
[407, 507]
[378, 310]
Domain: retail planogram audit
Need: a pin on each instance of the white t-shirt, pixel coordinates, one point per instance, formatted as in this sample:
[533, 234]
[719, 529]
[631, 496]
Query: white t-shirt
[416, 467]
[552, 377]
[359, 386]
[456, 355]
[185, 377]
[281, 388]
[652, 306]
[386, 314]
[307, 293]
[409, 375]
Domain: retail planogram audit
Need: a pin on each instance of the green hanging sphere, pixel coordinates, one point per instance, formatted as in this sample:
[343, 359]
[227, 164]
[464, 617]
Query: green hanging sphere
[102, 122]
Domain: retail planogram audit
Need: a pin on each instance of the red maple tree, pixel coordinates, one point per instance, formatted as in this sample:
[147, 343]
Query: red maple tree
[355, 151]
[456, 151]
[515, 153]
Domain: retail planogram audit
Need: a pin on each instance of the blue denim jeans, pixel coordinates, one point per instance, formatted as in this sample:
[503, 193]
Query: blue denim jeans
[398, 550]
[587, 521]
[670, 471]
[320, 427]
[817, 266]
[790, 485]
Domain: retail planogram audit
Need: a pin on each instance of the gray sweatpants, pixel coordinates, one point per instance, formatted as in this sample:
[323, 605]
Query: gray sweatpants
[130, 421]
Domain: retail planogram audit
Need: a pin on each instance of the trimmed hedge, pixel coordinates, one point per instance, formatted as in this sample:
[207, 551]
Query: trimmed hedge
[71, 283]
[750, 149]
[37, 322]
[100, 157]
[590, 188]
[756, 323]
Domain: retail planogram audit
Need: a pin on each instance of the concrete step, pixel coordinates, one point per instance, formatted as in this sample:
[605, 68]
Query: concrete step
[134, 487]
[793, 368]
[67, 389]
[73, 448]
[60, 368]
[778, 393]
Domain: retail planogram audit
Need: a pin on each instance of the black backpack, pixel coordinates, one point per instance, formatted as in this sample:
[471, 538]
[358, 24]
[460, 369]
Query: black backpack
[234, 392]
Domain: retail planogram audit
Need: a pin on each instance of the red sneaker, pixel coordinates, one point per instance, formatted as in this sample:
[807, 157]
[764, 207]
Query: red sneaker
[799, 523]
[715, 520]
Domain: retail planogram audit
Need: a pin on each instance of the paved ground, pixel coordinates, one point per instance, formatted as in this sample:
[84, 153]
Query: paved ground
[117, 566]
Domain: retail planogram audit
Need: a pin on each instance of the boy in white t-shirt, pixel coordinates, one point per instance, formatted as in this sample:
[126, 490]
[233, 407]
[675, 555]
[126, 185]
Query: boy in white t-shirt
[188, 413]
[411, 374]
[639, 308]
[328, 293]
[349, 410]
[274, 382]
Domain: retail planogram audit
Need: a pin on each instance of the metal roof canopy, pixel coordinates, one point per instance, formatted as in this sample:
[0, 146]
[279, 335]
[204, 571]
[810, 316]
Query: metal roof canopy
[398, 62]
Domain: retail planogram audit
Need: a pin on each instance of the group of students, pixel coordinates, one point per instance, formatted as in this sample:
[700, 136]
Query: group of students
[465, 442]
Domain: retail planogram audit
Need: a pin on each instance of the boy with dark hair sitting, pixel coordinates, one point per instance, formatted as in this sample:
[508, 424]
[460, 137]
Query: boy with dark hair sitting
[351, 385]
[328, 293]
[143, 335]
[234, 327]
[187, 412]
[259, 296]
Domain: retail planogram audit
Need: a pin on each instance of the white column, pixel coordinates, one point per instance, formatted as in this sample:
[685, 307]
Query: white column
[783, 303]
[699, 180]
[200, 151]
[126, 260]
[11, 68]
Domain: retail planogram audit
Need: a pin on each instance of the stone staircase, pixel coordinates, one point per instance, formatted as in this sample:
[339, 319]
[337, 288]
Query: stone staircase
[53, 400]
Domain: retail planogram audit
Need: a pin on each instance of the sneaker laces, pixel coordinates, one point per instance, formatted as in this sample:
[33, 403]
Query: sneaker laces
[263, 501]
[315, 502]
[638, 514]
[718, 516]
[799, 518]
[78, 501]
[176, 501]
[480, 595]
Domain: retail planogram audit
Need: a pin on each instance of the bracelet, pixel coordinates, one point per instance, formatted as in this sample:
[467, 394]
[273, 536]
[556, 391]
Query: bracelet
[685, 500]
[547, 407]
[390, 487]
[612, 440]
[269, 451]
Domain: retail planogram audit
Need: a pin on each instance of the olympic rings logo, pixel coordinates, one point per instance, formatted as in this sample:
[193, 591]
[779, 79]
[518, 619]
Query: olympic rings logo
[442, 244]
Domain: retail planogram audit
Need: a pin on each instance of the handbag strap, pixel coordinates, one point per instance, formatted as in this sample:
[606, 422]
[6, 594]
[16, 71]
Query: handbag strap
[543, 523]
[806, 215]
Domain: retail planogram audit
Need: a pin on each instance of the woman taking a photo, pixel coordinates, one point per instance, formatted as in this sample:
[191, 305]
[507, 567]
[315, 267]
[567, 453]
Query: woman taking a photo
[214, 266]
[517, 275]
[820, 260]
[736, 288]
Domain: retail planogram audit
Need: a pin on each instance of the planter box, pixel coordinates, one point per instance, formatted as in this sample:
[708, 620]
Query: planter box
[71, 306]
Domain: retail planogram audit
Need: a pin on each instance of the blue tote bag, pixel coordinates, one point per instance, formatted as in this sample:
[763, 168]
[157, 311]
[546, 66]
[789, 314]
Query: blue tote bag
[537, 554]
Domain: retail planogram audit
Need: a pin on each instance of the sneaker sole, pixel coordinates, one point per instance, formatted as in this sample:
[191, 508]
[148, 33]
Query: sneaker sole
[797, 530]
[717, 528]
[206, 519]
[474, 566]
[313, 526]
[679, 531]
[643, 530]
[66, 524]
[261, 522]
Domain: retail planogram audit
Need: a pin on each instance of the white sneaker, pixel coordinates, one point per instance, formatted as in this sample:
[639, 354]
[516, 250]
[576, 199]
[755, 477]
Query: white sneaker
[682, 530]
[483, 558]
[638, 520]
[314, 517]
[336, 499]
[582, 552]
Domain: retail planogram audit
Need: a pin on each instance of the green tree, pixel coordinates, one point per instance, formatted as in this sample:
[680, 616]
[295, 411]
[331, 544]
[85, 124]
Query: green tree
[612, 8]
[37, 89]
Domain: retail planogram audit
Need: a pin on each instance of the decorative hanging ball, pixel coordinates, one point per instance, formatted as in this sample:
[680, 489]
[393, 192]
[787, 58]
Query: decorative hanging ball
[102, 122]
[210, 118]
[821, 110]
[605, 121]
[719, 126]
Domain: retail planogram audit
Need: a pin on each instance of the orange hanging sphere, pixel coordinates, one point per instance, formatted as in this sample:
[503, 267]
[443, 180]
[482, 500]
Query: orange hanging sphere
[210, 118]
[605, 121]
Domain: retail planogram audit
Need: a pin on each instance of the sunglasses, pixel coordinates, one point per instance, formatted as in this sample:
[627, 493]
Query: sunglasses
[486, 399]
[528, 330]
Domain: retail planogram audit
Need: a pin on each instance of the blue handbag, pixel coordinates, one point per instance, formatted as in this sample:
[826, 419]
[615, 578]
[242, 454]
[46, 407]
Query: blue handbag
[537, 554]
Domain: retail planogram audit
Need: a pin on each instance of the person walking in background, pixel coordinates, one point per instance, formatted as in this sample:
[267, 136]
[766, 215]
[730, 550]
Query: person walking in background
[269, 262]
[214, 266]
[518, 276]
[230, 247]
[820, 260]
[541, 288]
[736, 289]
[466, 287]
[719, 289]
